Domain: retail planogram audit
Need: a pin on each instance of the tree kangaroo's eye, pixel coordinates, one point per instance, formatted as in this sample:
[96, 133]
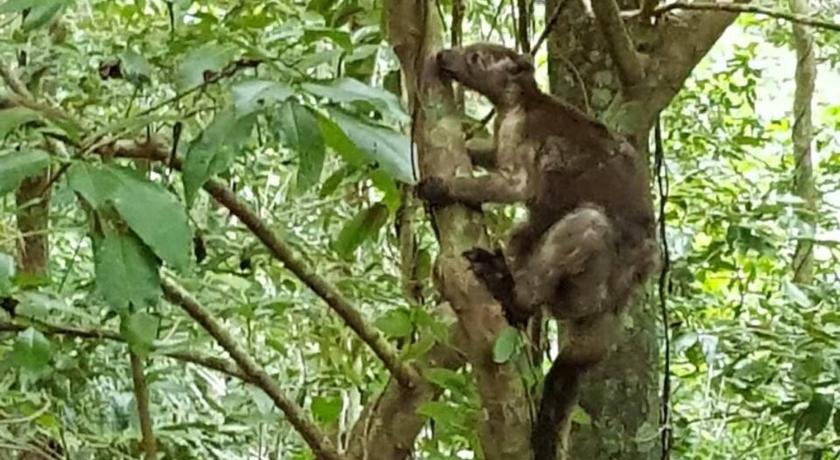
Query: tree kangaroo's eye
[473, 59]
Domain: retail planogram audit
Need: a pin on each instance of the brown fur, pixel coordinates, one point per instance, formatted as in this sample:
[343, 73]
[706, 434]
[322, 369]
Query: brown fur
[588, 242]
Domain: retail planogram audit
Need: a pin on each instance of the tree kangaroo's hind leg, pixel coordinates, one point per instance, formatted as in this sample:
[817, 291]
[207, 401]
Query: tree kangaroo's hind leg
[568, 267]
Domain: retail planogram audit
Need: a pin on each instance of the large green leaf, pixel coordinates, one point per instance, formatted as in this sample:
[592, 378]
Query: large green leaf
[389, 149]
[214, 151]
[16, 6]
[139, 330]
[126, 271]
[326, 410]
[17, 166]
[364, 225]
[43, 13]
[154, 214]
[253, 95]
[302, 134]
[31, 351]
[209, 57]
[135, 67]
[11, 119]
[352, 90]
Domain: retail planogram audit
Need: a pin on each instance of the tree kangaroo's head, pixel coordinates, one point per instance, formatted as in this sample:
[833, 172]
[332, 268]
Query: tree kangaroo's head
[499, 73]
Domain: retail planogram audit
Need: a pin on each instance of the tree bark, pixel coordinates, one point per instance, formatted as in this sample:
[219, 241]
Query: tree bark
[805, 76]
[504, 428]
[621, 395]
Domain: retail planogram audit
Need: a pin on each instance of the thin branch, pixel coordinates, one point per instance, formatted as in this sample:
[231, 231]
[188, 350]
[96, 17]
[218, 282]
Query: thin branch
[619, 44]
[210, 362]
[755, 9]
[317, 441]
[404, 373]
[141, 397]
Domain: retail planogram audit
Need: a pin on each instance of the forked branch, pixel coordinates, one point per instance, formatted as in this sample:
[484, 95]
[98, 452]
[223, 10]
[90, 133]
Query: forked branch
[619, 44]
[744, 8]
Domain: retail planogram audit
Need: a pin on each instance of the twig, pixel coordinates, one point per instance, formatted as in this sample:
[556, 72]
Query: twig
[741, 8]
[619, 44]
[662, 186]
[141, 397]
[317, 441]
[217, 364]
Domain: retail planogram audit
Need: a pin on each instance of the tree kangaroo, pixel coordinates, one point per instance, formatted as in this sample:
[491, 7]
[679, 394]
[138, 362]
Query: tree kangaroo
[589, 240]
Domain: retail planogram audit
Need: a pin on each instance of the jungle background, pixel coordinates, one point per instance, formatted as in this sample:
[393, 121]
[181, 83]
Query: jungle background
[210, 247]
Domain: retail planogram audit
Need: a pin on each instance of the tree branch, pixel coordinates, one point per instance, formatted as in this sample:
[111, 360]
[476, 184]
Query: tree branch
[217, 364]
[141, 397]
[404, 373]
[317, 441]
[802, 137]
[742, 8]
[619, 45]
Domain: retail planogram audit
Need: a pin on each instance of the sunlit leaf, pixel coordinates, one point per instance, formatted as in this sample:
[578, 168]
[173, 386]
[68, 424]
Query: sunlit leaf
[326, 410]
[395, 323]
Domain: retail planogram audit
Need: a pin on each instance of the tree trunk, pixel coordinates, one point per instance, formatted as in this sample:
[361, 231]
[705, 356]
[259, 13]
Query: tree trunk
[806, 74]
[621, 396]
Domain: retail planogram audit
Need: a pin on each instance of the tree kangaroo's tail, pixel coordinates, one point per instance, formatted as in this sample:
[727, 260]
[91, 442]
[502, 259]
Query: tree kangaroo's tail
[560, 393]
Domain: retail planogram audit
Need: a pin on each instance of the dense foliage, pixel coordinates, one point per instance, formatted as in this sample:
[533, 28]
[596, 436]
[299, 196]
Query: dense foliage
[296, 106]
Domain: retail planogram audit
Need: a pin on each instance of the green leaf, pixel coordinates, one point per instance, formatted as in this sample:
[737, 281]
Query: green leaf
[816, 416]
[326, 410]
[387, 148]
[214, 151]
[580, 417]
[210, 57]
[31, 351]
[506, 345]
[135, 67]
[364, 225]
[11, 119]
[93, 184]
[302, 134]
[443, 413]
[17, 166]
[447, 379]
[126, 271]
[339, 37]
[347, 90]
[43, 14]
[252, 95]
[139, 330]
[395, 323]
[154, 215]
[16, 6]
[7, 271]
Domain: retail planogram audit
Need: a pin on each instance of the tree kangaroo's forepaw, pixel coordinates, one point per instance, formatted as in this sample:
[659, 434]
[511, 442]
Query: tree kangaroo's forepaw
[487, 266]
